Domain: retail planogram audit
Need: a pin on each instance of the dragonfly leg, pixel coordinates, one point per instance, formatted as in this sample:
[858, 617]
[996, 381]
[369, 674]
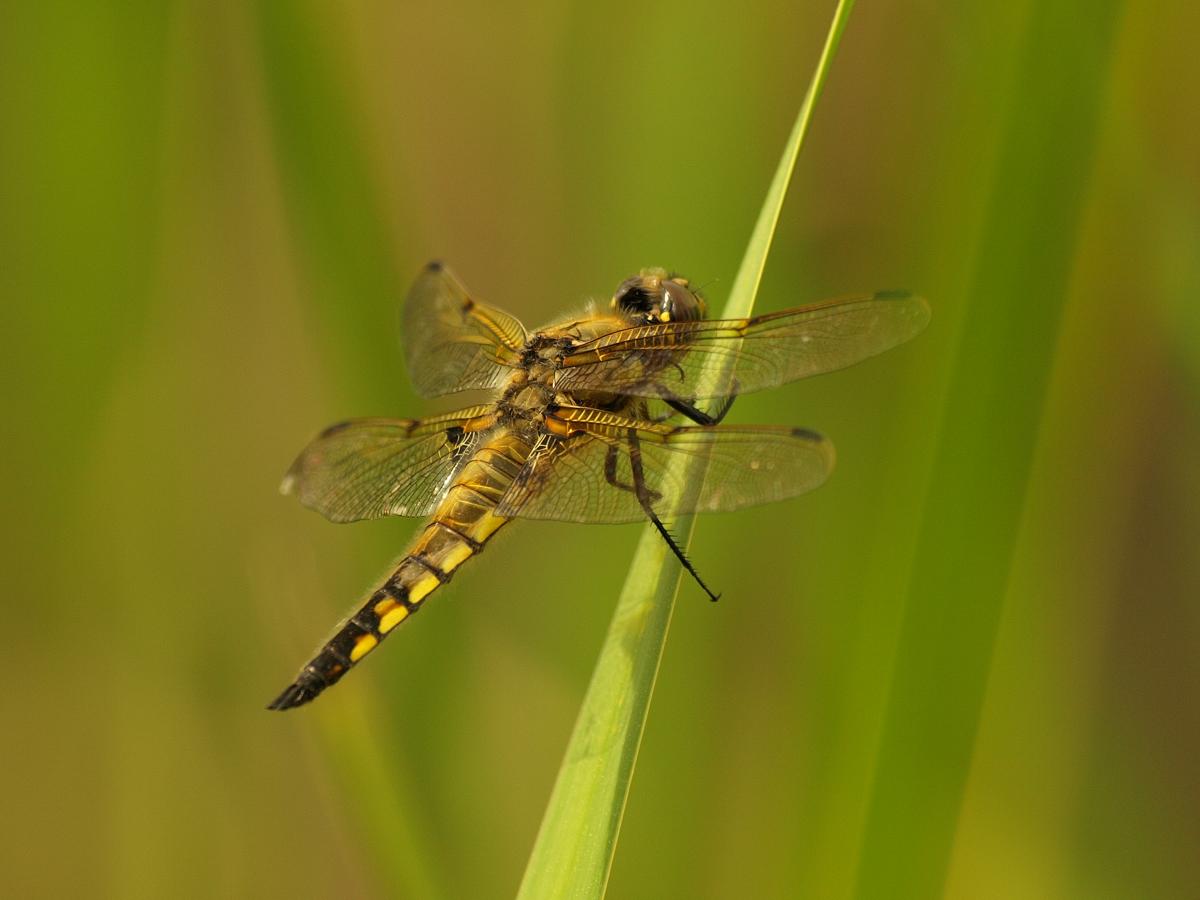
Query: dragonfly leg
[646, 498]
[688, 408]
[610, 473]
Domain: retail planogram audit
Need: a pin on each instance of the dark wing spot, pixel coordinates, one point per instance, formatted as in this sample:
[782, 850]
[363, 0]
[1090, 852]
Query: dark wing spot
[336, 427]
[807, 434]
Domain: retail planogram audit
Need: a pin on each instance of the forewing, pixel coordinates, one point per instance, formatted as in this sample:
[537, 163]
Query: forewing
[714, 358]
[572, 478]
[453, 342]
[370, 468]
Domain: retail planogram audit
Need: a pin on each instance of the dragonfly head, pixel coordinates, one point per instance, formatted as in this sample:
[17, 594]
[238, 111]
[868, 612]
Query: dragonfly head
[655, 295]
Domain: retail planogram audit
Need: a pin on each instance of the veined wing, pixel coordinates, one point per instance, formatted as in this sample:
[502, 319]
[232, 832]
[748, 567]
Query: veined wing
[714, 358]
[369, 468]
[453, 342]
[591, 474]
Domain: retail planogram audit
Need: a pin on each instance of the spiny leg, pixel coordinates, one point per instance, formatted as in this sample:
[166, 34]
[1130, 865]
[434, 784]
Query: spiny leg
[646, 498]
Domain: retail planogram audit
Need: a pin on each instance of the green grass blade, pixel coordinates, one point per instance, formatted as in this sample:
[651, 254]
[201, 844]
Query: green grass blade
[341, 229]
[573, 854]
[990, 428]
[333, 202]
[745, 285]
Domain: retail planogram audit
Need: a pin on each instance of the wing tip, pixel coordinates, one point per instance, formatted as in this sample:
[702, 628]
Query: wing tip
[292, 477]
[820, 443]
[288, 484]
[917, 305]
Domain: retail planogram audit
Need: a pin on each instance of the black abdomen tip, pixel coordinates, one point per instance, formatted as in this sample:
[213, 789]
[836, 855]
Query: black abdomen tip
[304, 689]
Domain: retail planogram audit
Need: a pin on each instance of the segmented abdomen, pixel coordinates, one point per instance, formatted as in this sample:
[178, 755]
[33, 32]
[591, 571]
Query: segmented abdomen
[462, 524]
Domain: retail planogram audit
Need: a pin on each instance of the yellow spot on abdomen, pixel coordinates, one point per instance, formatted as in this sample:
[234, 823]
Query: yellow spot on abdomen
[363, 645]
[422, 589]
[392, 617]
[455, 558]
[487, 525]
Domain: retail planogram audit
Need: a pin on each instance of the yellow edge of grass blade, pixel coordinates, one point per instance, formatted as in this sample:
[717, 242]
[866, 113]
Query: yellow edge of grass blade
[573, 853]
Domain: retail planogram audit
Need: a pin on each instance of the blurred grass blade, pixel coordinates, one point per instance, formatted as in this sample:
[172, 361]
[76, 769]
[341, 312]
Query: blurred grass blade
[339, 225]
[745, 284]
[990, 428]
[573, 854]
[333, 201]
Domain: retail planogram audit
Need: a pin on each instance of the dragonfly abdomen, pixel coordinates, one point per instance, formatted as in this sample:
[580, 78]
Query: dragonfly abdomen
[460, 527]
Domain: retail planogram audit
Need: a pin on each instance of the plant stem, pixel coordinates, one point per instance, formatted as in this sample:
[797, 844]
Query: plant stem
[573, 854]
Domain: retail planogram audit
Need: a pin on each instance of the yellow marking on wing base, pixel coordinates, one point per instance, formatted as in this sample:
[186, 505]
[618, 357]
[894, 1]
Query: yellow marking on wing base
[363, 645]
[480, 423]
[555, 425]
[392, 618]
[420, 590]
[455, 558]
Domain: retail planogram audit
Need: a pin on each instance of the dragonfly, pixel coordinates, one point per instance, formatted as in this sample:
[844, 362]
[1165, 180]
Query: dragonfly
[594, 418]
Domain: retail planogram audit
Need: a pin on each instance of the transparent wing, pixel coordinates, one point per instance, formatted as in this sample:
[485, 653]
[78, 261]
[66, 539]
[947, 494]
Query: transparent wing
[589, 475]
[453, 342]
[369, 468]
[716, 358]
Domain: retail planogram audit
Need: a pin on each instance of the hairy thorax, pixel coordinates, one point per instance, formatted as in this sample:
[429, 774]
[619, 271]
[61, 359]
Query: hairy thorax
[530, 390]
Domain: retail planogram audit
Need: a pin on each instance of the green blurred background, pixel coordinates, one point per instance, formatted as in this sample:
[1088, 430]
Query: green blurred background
[967, 665]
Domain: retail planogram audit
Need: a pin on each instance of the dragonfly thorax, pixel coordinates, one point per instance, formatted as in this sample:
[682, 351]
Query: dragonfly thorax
[528, 393]
[542, 352]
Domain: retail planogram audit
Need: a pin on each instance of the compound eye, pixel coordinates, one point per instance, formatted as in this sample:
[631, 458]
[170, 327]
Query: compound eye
[679, 304]
[632, 297]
